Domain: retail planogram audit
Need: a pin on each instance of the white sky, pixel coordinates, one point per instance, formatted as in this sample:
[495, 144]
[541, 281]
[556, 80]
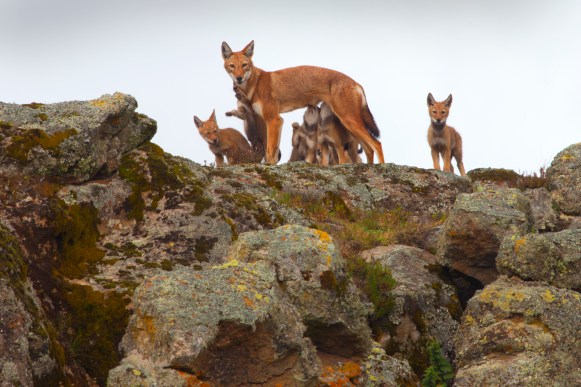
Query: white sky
[513, 67]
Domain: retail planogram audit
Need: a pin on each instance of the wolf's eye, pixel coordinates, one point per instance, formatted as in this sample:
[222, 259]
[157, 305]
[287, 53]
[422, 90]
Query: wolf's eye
[434, 112]
[443, 112]
[232, 66]
[244, 65]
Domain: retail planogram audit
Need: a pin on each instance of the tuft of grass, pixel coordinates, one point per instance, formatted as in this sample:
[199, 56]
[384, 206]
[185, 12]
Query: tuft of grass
[532, 180]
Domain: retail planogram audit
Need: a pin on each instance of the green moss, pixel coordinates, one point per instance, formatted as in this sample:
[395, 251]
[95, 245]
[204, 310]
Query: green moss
[6, 125]
[329, 281]
[167, 265]
[28, 139]
[98, 321]
[76, 233]
[271, 179]
[241, 200]
[158, 174]
[33, 105]
[42, 116]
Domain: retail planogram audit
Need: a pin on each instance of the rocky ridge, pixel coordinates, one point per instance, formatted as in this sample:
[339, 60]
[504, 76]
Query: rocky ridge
[124, 265]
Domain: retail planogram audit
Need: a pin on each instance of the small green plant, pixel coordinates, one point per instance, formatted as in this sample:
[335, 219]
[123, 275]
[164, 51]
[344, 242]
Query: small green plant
[440, 372]
[375, 281]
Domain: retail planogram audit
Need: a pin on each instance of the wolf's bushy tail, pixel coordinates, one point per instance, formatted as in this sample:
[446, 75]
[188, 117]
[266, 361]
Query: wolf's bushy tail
[369, 121]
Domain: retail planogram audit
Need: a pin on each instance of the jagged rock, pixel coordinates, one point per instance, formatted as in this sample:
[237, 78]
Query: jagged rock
[517, 333]
[71, 141]
[29, 353]
[425, 306]
[564, 180]
[475, 227]
[255, 318]
[544, 217]
[500, 177]
[553, 257]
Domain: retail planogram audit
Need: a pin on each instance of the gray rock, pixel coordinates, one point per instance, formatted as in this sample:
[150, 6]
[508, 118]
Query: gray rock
[425, 307]
[257, 318]
[72, 141]
[517, 333]
[553, 257]
[475, 227]
[544, 217]
[564, 180]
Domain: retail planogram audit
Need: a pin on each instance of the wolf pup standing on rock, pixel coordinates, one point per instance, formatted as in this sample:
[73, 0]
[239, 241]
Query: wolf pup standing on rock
[227, 142]
[275, 92]
[443, 139]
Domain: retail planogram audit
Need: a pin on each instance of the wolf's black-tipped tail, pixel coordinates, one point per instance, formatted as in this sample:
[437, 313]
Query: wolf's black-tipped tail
[369, 121]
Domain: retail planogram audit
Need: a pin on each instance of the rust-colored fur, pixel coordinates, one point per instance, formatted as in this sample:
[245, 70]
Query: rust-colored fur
[336, 144]
[228, 142]
[274, 92]
[443, 139]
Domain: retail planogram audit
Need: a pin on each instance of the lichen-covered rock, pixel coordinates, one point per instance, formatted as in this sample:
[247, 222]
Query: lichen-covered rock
[29, 352]
[517, 333]
[71, 141]
[257, 318]
[382, 370]
[500, 177]
[544, 217]
[553, 257]
[475, 227]
[564, 180]
[425, 306]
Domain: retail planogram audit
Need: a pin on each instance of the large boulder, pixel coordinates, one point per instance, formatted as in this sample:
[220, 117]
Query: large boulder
[425, 308]
[553, 257]
[475, 227]
[71, 141]
[517, 333]
[260, 317]
[564, 180]
[544, 216]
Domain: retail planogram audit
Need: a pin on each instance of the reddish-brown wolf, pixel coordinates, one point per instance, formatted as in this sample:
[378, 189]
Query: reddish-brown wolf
[226, 143]
[274, 92]
[443, 139]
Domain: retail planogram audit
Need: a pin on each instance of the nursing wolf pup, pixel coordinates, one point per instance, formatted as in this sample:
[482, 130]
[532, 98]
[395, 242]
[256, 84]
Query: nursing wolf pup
[443, 139]
[336, 144]
[304, 138]
[274, 92]
[254, 126]
[226, 143]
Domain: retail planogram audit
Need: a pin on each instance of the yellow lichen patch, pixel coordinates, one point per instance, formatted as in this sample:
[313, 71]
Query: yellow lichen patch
[323, 236]
[469, 319]
[548, 296]
[249, 303]
[136, 372]
[518, 243]
[232, 263]
[258, 296]
[241, 288]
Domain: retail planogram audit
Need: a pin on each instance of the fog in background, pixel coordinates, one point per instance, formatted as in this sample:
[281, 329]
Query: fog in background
[513, 67]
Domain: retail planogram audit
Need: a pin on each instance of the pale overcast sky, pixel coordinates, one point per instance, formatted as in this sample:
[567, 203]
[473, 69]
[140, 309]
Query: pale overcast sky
[513, 67]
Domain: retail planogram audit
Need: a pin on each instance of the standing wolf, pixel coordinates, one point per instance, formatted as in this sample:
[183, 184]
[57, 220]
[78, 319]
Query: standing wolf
[443, 139]
[274, 92]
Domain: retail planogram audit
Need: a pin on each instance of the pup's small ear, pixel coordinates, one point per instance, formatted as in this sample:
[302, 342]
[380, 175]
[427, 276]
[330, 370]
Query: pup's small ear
[198, 122]
[431, 99]
[448, 101]
[249, 49]
[226, 51]
[213, 116]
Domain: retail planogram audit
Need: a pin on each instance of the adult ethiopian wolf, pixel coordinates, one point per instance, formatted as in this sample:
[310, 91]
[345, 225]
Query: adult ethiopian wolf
[276, 92]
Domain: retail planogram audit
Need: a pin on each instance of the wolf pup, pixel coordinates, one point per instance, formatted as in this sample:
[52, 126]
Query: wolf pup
[254, 126]
[443, 139]
[276, 92]
[304, 138]
[228, 142]
[336, 144]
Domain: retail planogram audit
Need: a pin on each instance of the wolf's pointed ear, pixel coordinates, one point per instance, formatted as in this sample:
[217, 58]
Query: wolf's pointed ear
[198, 122]
[249, 49]
[226, 51]
[431, 99]
[448, 101]
[213, 116]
